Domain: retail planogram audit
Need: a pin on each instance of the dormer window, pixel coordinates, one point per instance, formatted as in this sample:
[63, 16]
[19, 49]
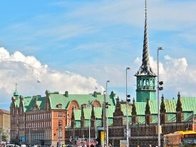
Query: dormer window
[59, 106]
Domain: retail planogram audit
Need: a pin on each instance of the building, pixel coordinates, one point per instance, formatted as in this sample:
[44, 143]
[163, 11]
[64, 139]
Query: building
[175, 114]
[43, 120]
[66, 118]
[4, 123]
[4, 119]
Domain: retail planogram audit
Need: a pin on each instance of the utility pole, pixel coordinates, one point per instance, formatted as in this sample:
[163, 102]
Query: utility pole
[106, 106]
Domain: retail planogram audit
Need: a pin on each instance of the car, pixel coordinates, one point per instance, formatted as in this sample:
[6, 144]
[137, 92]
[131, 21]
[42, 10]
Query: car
[12, 145]
[69, 145]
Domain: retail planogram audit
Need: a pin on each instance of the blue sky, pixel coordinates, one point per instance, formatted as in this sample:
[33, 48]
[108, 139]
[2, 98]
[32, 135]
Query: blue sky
[78, 45]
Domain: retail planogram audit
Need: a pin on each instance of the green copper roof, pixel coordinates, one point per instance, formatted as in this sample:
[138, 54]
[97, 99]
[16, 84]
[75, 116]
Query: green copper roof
[64, 100]
[15, 93]
[188, 104]
[29, 102]
[98, 115]
[56, 98]
[97, 111]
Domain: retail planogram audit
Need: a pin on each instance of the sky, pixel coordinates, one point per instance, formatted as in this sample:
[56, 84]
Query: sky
[77, 45]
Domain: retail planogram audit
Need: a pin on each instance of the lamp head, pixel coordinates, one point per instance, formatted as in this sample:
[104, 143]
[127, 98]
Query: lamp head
[160, 48]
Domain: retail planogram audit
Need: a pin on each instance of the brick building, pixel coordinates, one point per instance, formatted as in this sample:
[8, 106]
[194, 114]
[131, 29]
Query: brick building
[175, 115]
[58, 118]
[43, 120]
[63, 118]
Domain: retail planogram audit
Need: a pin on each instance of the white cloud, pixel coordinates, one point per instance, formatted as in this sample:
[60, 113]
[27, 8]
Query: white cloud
[26, 70]
[177, 75]
[177, 66]
[4, 54]
[84, 21]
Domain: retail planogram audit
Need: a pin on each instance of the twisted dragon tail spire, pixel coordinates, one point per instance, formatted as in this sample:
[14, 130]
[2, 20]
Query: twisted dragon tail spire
[145, 68]
[145, 56]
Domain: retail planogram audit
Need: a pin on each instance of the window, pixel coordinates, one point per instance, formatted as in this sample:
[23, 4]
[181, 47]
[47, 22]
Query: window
[60, 135]
[60, 114]
[60, 123]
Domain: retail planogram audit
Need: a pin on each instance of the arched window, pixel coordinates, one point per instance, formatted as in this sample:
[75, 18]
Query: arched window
[147, 82]
[144, 82]
[141, 83]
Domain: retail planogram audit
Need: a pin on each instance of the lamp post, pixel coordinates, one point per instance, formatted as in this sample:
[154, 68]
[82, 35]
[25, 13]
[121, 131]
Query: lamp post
[104, 118]
[158, 101]
[106, 115]
[127, 121]
[193, 125]
[89, 133]
[192, 107]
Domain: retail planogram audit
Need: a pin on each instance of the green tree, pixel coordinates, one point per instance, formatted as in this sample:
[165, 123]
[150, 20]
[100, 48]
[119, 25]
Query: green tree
[4, 137]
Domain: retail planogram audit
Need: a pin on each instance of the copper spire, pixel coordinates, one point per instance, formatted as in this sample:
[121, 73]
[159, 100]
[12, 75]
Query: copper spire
[145, 68]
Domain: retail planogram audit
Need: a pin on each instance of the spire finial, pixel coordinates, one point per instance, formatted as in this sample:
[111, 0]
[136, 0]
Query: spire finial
[145, 8]
[145, 59]
[145, 68]
[16, 91]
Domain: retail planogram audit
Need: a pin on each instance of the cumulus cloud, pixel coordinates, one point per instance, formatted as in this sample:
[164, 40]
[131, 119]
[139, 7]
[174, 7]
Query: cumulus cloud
[177, 76]
[177, 64]
[27, 70]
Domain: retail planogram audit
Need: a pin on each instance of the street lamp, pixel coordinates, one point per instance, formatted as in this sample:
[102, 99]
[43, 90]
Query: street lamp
[158, 101]
[89, 133]
[106, 113]
[127, 121]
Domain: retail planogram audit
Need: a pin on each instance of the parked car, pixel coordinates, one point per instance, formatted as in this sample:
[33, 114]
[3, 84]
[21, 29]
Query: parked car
[69, 145]
[12, 145]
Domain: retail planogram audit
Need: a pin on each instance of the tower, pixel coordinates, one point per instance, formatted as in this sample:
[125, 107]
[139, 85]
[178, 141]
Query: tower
[145, 77]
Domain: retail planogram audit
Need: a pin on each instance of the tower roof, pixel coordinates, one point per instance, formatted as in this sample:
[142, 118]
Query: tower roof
[145, 68]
